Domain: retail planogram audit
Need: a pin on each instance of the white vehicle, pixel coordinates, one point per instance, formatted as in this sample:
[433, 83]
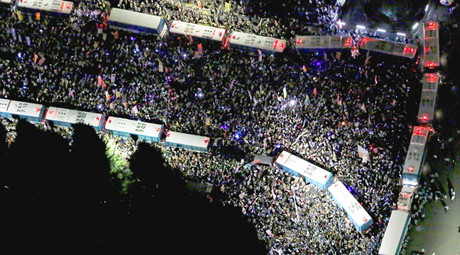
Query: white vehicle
[431, 56]
[67, 118]
[136, 21]
[126, 127]
[388, 47]
[257, 42]
[322, 42]
[355, 212]
[394, 234]
[299, 167]
[415, 156]
[56, 6]
[4, 103]
[195, 30]
[187, 141]
[29, 111]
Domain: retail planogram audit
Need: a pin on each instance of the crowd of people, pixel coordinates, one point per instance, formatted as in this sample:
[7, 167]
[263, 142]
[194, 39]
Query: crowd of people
[319, 105]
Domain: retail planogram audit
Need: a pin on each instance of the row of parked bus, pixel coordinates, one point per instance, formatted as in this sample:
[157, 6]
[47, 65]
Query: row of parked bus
[63, 117]
[146, 23]
[399, 222]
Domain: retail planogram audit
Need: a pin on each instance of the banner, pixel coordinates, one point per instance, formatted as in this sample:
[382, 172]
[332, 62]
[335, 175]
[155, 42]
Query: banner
[160, 66]
[364, 154]
[228, 7]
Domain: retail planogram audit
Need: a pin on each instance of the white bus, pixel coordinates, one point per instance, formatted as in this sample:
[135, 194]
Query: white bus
[257, 42]
[67, 118]
[394, 233]
[322, 42]
[126, 127]
[24, 110]
[4, 103]
[136, 21]
[355, 212]
[56, 6]
[195, 30]
[415, 156]
[299, 167]
[388, 47]
[187, 141]
[431, 45]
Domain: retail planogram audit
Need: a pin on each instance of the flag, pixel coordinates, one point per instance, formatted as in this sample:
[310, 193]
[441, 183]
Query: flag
[338, 100]
[20, 17]
[315, 92]
[260, 55]
[208, 122]
[160, 66]
[364, 154]
[107, 95]
[100, 81]
[134, 110]
[228, 7]
[35, 58]
[285, 92]
[200, 48]
[304, 68]
[37, 16]
[375, 79]
[307, 100]
[269, 233]
[41, 61]
[13, 33]
[117, 94]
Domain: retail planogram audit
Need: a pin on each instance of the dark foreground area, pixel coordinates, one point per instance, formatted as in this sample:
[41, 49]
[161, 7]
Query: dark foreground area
[59, 197]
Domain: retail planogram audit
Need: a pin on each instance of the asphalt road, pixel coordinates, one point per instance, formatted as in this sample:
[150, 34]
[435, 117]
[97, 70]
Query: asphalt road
[439, 232]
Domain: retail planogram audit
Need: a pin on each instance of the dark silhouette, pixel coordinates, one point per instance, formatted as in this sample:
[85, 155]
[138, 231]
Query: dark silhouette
[56, 196]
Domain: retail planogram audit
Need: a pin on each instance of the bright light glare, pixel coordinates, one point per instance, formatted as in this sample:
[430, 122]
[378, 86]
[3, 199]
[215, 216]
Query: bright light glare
[401, 34]
[415, 26]
[426, 7]
[292, 102]
[381, 30]
[360, 27]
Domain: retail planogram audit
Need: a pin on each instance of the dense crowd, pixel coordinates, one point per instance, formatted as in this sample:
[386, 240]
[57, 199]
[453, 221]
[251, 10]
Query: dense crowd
[319, 105]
